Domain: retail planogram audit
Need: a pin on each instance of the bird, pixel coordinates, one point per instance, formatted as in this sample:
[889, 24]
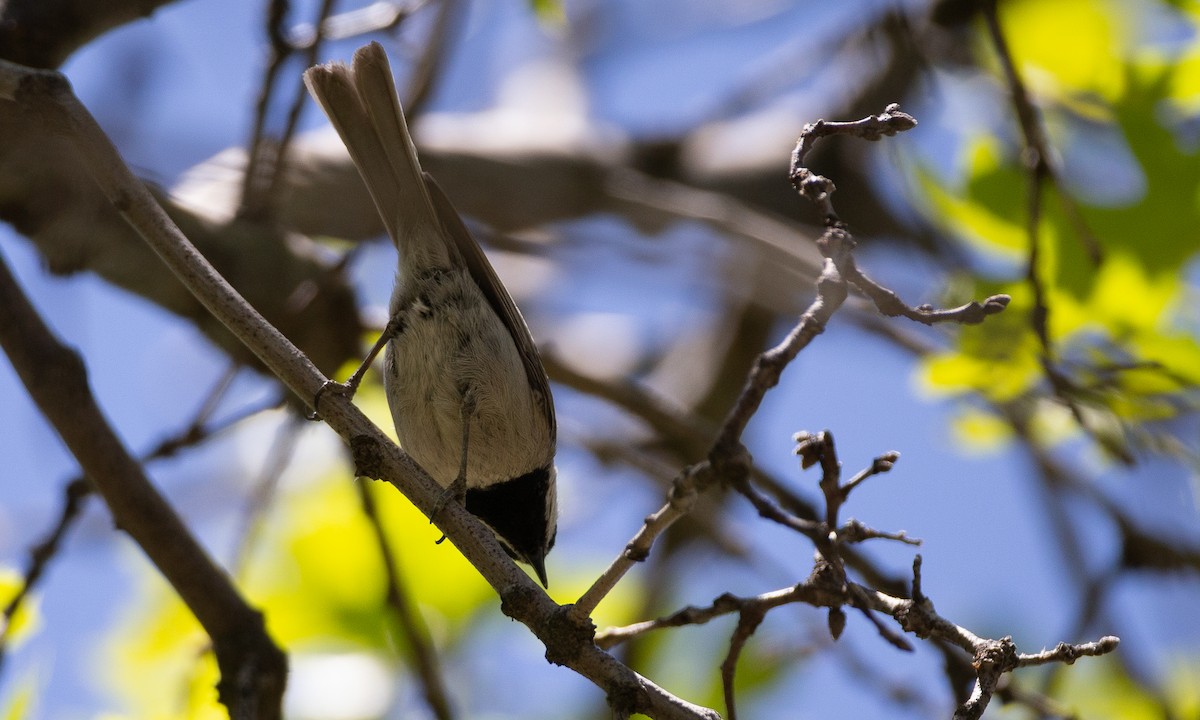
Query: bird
[468, 393]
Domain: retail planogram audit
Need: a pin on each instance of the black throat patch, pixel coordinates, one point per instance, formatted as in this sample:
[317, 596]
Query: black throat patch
[516, 511]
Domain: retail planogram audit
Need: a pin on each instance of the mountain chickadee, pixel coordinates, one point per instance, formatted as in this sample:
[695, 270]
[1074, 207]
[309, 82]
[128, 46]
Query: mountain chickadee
[468, 394]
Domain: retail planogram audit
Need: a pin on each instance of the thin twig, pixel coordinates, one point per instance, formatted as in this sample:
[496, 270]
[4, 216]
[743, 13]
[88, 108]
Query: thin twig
[993, 658]
[819, 189]
[40, 556]
[680, 500]
[78, 490]
[263, 490]
[423, 655]
[748, 622]
[251, 202]
[1036, 154]
[727, 457]
[437, 48]
[309, 53]
[1067, 653]
[724, 605]
[253, 668]
[379, 16]
[568, 641]
[768, 510]
[883, 463]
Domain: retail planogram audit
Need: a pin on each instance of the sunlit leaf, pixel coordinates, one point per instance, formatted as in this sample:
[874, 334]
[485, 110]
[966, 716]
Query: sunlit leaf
[27, 620]
[961, 215]
[1125, 296]
[979, 431]
[550, 12]
[157, 660]
[21, 700]
[1067, 47]
[1100, 689]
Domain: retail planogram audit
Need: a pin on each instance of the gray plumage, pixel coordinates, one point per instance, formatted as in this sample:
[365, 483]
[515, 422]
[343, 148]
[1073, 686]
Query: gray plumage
[461, 350]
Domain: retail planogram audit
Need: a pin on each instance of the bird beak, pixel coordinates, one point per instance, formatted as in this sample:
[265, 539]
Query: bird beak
[539, 566]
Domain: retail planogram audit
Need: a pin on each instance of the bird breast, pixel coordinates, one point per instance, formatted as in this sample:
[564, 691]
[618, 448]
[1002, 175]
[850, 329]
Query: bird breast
[449, 342]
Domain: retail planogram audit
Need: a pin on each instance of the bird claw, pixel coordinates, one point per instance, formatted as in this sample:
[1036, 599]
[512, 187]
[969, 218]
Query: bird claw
[457, 492]
[346, 390]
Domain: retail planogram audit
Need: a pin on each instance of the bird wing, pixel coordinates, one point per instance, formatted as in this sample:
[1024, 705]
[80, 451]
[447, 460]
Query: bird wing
[497, 296]
[362, 105]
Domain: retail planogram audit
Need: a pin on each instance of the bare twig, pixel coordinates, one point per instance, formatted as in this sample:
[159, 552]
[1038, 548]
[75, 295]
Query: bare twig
[748, 622]
[568, 641]
[679, 502]
[771, 511]
[818, 188]
[437, 48]
[201, 428]
[1067, 654]
[423, 656]
[1037, 152]
[309, 53]
[253, 669]
[376, 17]
[918, 595]
[279, 456]
[1036, 155]
[40, 556]
[853, 531]
[265, 158]
[992, 658]
[252, 197]
[727, 458]
[724, 605]
[828, 586]
[77, 491]
[880, 465]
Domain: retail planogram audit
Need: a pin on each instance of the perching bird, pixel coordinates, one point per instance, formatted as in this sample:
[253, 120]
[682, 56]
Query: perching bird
[469, 396]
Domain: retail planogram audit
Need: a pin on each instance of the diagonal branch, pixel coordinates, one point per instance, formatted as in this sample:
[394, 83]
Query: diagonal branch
[1041, 173]
[40, 555]
[253, 669]
[78, 490]
[568, 641]
[422, 652]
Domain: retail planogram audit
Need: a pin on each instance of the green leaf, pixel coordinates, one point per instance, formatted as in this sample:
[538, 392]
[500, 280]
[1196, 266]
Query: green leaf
[1086, 60]
[22, 700]
[1118, 329]
[27, 620]
[156, 658]
[979, 431]
[549, 12]
[1099, 688]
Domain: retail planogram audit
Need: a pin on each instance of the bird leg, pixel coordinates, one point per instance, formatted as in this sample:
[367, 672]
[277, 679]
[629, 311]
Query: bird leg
[458, 489]
[350, 387]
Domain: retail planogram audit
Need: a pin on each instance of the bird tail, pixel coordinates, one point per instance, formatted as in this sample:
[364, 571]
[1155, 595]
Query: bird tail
[362, 105]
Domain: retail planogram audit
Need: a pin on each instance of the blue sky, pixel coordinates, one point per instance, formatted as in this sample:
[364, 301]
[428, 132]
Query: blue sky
[986, 562]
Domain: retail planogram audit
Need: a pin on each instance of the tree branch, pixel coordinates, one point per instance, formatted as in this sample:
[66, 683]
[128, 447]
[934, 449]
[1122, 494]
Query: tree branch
[253, 669]
[423, 656]
[77, 491]
[567, 640]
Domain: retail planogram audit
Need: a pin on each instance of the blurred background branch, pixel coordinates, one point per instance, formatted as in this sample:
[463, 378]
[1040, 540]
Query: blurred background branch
[625, 166]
